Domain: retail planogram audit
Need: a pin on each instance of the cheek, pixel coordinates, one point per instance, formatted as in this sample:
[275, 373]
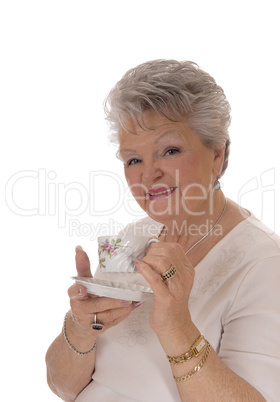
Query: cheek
[194, 177]
[187, 172]
[131, 179]
[137, 189]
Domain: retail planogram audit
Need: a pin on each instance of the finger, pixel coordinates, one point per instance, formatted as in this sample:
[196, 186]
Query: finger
[84, 313]
[161, 258]
[90, 304]
[100, 304]
[82, 263]
[78, 292]
[174, 254]
[159, 262]
[113, 317]
[152, 277]
[160, 280]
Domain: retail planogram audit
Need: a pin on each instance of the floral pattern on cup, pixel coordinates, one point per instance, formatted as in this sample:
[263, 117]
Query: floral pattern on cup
[116, 253]
[109, 249]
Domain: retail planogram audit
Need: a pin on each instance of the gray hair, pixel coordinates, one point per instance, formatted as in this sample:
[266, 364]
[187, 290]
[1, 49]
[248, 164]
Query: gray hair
[176, 90]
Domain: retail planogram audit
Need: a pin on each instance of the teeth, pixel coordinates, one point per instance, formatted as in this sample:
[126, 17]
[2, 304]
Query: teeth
[163, 192]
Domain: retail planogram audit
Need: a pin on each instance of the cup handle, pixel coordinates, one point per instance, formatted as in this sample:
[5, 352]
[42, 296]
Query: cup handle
[152, 240]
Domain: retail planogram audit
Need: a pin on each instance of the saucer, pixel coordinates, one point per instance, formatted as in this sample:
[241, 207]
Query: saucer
[115, 290]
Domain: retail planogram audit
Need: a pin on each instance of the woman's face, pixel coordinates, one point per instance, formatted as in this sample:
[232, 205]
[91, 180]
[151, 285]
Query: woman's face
[169, 171]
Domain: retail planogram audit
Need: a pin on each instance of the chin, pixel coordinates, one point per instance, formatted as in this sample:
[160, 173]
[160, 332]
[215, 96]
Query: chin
[161, 216]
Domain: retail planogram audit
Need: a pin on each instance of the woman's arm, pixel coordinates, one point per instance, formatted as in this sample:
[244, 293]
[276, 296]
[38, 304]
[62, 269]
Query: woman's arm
[171, 321]
[69, 373]
[214, 381]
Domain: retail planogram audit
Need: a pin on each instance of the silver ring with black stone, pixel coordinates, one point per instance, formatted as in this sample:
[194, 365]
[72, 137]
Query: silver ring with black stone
[97, 325]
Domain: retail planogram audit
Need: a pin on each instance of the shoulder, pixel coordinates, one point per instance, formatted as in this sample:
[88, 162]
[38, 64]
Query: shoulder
[264, 233]
[248, 254]
[264, 242]
[251, 241]
[255, 263]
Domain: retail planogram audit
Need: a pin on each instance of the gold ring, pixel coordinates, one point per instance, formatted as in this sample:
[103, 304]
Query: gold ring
[168, 274]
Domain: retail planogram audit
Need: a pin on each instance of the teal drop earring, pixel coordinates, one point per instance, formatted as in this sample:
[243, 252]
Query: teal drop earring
[217, 185]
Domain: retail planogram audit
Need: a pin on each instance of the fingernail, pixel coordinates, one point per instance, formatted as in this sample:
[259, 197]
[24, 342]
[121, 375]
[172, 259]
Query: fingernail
[136, 260]
[126, 302]
[78, 248]
[82, 292]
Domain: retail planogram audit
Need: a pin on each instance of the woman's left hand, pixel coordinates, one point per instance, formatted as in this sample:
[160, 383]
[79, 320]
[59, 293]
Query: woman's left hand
[170, 314]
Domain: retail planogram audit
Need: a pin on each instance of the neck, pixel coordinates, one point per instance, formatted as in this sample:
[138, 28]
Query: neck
[190, 228]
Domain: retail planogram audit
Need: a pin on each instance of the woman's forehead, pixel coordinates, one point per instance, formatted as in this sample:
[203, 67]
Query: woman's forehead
[149, 120]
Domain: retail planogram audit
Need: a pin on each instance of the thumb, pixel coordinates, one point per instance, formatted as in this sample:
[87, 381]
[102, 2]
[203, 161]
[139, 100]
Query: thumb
[82, 263]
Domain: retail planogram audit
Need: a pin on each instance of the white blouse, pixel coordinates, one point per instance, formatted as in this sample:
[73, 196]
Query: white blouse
[235, 303]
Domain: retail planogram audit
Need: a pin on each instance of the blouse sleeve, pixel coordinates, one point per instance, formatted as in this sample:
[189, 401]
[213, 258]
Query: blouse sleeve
[250, 343]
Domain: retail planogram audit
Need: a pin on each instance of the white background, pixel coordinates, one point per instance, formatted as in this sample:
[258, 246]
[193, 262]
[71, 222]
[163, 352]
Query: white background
[59, 59]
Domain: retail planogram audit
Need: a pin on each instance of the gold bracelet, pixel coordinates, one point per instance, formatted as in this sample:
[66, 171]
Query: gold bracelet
[197, 368]
[197, 347]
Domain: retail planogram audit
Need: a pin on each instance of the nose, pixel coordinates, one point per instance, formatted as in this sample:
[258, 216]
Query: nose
[151, 172]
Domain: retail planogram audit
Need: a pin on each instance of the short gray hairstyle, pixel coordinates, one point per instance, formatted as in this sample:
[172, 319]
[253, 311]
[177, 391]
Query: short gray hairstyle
[176, 90]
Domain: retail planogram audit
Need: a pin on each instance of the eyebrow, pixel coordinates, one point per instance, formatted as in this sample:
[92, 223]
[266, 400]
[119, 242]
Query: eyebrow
[157, 139]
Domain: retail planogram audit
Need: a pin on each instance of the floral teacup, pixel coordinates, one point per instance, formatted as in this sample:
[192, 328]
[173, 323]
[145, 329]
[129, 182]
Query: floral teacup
[116, 253]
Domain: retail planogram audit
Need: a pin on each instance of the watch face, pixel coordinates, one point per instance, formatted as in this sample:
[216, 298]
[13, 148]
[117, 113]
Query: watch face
[200, 346]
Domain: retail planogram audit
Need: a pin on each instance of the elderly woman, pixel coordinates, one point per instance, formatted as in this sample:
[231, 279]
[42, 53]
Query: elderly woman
[214, 271]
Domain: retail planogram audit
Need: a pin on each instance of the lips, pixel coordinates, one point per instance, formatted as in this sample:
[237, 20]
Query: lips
[159, 193]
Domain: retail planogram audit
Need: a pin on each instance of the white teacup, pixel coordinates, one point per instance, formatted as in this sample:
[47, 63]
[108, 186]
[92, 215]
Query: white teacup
[116, 253]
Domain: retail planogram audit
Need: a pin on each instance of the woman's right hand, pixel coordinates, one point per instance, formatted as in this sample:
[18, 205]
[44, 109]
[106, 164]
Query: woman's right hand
[84, 306]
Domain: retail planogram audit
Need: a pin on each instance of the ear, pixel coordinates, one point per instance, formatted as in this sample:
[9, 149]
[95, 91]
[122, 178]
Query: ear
[218, 161]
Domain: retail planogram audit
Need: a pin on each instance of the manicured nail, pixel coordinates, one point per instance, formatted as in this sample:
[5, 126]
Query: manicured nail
[78, 248]
[82, 292]
[136, 260]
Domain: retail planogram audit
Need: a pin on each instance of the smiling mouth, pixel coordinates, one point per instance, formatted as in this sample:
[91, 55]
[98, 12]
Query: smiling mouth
[159, 193]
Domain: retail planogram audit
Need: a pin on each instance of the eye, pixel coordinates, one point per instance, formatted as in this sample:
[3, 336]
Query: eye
[172, 151]
[133, 161]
